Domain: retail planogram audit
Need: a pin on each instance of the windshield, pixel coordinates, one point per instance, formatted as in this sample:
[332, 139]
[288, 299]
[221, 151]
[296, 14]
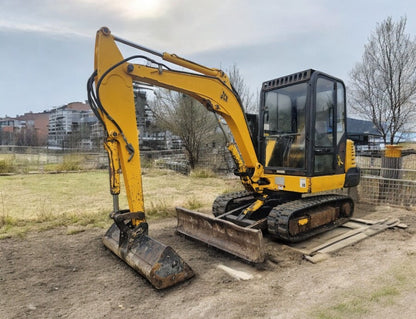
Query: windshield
[284, 126]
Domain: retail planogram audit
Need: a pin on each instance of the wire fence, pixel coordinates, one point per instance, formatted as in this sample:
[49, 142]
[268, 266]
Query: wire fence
[378, 186]
[388, 186]
[408, 162]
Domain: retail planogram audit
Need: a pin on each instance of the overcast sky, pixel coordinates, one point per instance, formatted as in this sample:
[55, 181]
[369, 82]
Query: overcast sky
[47, 46]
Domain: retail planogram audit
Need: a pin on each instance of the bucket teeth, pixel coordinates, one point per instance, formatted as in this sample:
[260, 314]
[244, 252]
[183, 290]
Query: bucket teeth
[158, 263]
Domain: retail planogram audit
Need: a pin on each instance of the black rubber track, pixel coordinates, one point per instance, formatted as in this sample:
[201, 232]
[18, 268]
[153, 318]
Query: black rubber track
[279, 217]
[229, 201]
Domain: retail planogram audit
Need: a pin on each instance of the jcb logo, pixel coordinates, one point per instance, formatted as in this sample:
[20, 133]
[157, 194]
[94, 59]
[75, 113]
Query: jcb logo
[224, 96]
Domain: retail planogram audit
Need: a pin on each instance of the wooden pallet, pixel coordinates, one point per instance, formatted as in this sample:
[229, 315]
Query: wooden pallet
[320, 247]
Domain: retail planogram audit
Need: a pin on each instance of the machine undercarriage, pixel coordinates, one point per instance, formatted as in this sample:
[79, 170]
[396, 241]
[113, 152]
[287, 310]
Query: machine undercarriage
[286, 217]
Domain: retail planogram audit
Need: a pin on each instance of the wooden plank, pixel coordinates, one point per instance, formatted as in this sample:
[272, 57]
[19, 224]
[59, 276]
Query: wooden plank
[308, 246]
[360, 234]
[355, 230]
[336, 240]
[402, 226]
[368, 222]
[317, 258]
[353, 225]
[344, 243]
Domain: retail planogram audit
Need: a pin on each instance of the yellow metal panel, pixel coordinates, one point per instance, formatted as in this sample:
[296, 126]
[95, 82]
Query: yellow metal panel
[394, 151]
[327, 183]
[269, 150]
[116, 95]
[299, 184]
[350, 155]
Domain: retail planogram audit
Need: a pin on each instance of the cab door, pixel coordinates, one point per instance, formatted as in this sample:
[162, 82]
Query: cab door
[329, 127]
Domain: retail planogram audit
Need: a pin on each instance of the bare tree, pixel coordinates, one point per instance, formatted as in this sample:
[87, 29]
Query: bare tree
[187, 118]
[237, 81]
[383, 87]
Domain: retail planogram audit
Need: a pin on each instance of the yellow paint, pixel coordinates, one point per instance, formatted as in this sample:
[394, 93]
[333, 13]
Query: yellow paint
[303, 221]
[393, 151]
[350, 156]
[117, 99]
[327, 183]
[339, 160]
[212, 88]
[280, 182]
[256, 205]
[269, 150]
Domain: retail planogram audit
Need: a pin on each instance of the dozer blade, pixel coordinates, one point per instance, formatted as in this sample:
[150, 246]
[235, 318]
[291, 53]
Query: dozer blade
[158, 263]
[246, 243]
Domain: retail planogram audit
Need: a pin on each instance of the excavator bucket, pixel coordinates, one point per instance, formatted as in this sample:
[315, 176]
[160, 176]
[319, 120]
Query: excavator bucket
[243, 242]
[158, 263]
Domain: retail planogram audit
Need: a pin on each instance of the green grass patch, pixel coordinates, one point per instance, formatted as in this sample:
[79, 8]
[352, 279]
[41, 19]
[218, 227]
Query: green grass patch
[349, 309]
[18, 227]
[158, 209]
[7, 166]
[202, 173]
[193, 203]
[70, 163]
[382, 292]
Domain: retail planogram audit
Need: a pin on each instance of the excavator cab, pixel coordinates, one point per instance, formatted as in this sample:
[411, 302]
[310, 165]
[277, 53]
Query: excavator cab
[302, 126]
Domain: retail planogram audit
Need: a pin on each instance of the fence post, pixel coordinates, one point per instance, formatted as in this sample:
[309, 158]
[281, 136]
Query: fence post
[392, 161]
[391, 164]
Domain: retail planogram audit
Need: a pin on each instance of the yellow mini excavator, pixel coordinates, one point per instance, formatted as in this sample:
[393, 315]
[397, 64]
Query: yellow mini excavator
[294, 147]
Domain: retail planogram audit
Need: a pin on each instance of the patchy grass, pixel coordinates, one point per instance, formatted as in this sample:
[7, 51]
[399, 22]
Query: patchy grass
[385, 291]
[7, 166]
[202, 173]
[193, 203]
[48, 162]
[71, 162]
[82, 199]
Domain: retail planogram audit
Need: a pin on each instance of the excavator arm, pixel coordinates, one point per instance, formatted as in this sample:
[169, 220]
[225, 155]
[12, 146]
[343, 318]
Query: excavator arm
[112, 101]
[211, 88]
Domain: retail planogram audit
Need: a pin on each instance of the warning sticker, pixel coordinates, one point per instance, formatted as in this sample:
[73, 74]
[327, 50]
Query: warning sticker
[303, 182]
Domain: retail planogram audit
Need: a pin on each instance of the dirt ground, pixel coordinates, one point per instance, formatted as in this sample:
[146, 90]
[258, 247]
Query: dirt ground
[56, 275]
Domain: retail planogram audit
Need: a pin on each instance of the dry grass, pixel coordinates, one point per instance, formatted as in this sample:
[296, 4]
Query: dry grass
[43, 201]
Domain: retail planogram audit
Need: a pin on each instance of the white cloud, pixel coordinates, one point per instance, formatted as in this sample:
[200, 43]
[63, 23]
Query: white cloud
[40, 28]
[266, 38]
[181, 25]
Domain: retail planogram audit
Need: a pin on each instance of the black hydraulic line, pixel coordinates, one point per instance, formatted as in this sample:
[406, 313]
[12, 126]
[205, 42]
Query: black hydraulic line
[92, 99]
[97, 102]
